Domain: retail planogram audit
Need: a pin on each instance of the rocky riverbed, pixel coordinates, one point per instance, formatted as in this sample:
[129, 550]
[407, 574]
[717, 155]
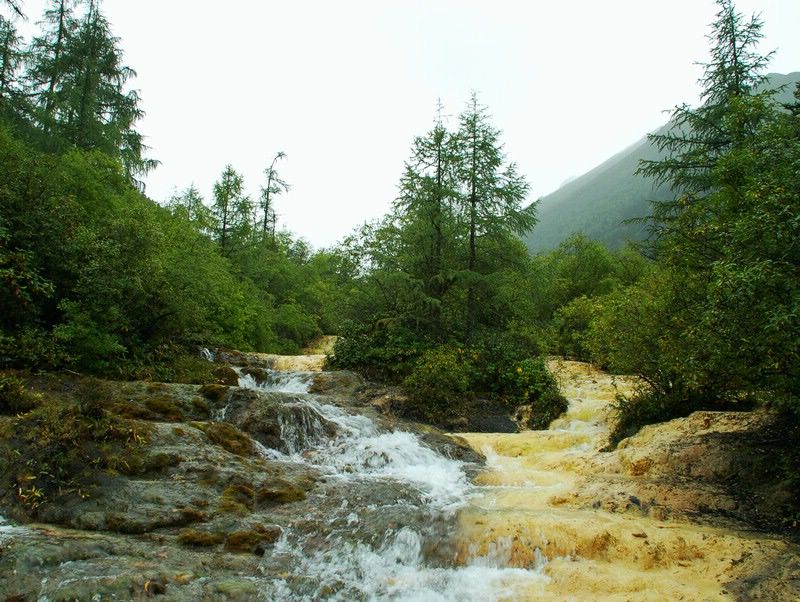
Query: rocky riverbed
[675, 513]
[300, 484]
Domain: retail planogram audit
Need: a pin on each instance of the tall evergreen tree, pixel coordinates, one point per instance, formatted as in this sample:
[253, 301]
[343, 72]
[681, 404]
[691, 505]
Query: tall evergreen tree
[232, 209]
[189, 205]
[47, 59]
[425, 208]
[10, 61]
[275, 186]
[727, 120]
[492, 191]
[731, 297]
[78, 80]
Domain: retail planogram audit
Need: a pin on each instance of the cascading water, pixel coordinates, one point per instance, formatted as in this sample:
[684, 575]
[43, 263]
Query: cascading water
[384, 529]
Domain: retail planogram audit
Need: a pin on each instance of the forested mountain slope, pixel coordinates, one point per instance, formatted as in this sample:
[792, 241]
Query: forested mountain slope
[598, 202]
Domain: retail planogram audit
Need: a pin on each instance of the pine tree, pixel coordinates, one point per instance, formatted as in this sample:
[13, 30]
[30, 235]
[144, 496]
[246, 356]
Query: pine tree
[426, 205]
[189, 205]
[78, 81]
[727, 120]
[10, 61]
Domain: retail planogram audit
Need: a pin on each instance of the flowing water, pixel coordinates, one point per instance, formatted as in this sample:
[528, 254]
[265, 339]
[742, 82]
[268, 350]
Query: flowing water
[391, 519]
[405, 523]
[387, 529]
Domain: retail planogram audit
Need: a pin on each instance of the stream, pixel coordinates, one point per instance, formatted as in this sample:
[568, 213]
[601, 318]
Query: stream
[385, 516]
[549, 517]
[390, 533]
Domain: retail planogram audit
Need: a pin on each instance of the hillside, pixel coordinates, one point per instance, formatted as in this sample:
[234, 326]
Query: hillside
[598, 202]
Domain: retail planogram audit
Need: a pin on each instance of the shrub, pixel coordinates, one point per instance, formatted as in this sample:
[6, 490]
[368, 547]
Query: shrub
[384, 352]
[530, 382]
[14, 399]
[546, 408]
[568, 330]
[647, 406]
[438, 383]
[493, 357]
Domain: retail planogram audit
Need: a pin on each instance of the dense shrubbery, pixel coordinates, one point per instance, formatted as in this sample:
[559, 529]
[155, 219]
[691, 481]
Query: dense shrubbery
[436, 301]
[14, 398]
[439, 384]
[97, 277]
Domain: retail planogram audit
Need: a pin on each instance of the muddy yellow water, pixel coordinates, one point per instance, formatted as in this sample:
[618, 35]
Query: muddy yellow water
[533, 511]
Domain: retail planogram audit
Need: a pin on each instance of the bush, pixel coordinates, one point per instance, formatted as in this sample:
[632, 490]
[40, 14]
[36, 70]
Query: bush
[546, 408]
[14, 399]
[569, 327]
[383, 352]
[647, 406]
[494, 357]
[530, 382]
[438, 384]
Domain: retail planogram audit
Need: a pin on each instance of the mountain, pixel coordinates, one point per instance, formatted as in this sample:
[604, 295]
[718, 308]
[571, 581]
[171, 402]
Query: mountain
[598, 202]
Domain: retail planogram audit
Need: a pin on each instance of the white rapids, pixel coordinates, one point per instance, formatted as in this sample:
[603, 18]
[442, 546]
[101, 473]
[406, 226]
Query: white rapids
[417, 494]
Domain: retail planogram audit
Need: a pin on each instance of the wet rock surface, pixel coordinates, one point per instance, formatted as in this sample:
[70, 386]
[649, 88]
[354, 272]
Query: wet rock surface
[233, 488]
[665, 516]
[267, 492]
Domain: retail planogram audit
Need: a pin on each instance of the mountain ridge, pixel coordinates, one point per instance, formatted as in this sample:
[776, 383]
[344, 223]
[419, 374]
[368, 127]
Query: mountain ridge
[599, 202]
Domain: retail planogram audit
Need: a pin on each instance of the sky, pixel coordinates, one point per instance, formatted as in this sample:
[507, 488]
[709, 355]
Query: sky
[343, 87]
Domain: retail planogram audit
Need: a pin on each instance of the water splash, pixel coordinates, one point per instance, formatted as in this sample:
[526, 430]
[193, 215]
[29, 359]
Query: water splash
[388, 539]
[278, 381]
[398, 570]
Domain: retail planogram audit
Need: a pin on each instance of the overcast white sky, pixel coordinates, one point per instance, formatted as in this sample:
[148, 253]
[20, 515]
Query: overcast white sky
[342, 87]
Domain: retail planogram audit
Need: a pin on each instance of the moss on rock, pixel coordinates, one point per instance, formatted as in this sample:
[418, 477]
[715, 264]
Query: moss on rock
[229, 437]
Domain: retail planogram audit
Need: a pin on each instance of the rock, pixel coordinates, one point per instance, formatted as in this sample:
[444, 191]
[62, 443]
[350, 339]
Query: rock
[226, 375]
[270, 361]
[492, 423]
[340, 383]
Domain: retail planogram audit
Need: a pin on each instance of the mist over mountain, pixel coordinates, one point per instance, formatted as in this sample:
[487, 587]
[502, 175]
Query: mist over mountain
[600, 201]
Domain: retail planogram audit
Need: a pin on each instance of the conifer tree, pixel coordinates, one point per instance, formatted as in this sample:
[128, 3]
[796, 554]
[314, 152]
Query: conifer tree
[728, 119]
[426, 208]
[275, 186]
[78, 81]
[10, 61]
[232, 209]
[491, 191]
[189, 205]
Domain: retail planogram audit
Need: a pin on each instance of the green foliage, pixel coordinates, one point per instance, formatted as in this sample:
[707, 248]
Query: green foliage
[647, 406]
[76, 83]
[129, 280]
[385, 352]
[14, 398]
[715, 326]
[438, 385]
[569, 327]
